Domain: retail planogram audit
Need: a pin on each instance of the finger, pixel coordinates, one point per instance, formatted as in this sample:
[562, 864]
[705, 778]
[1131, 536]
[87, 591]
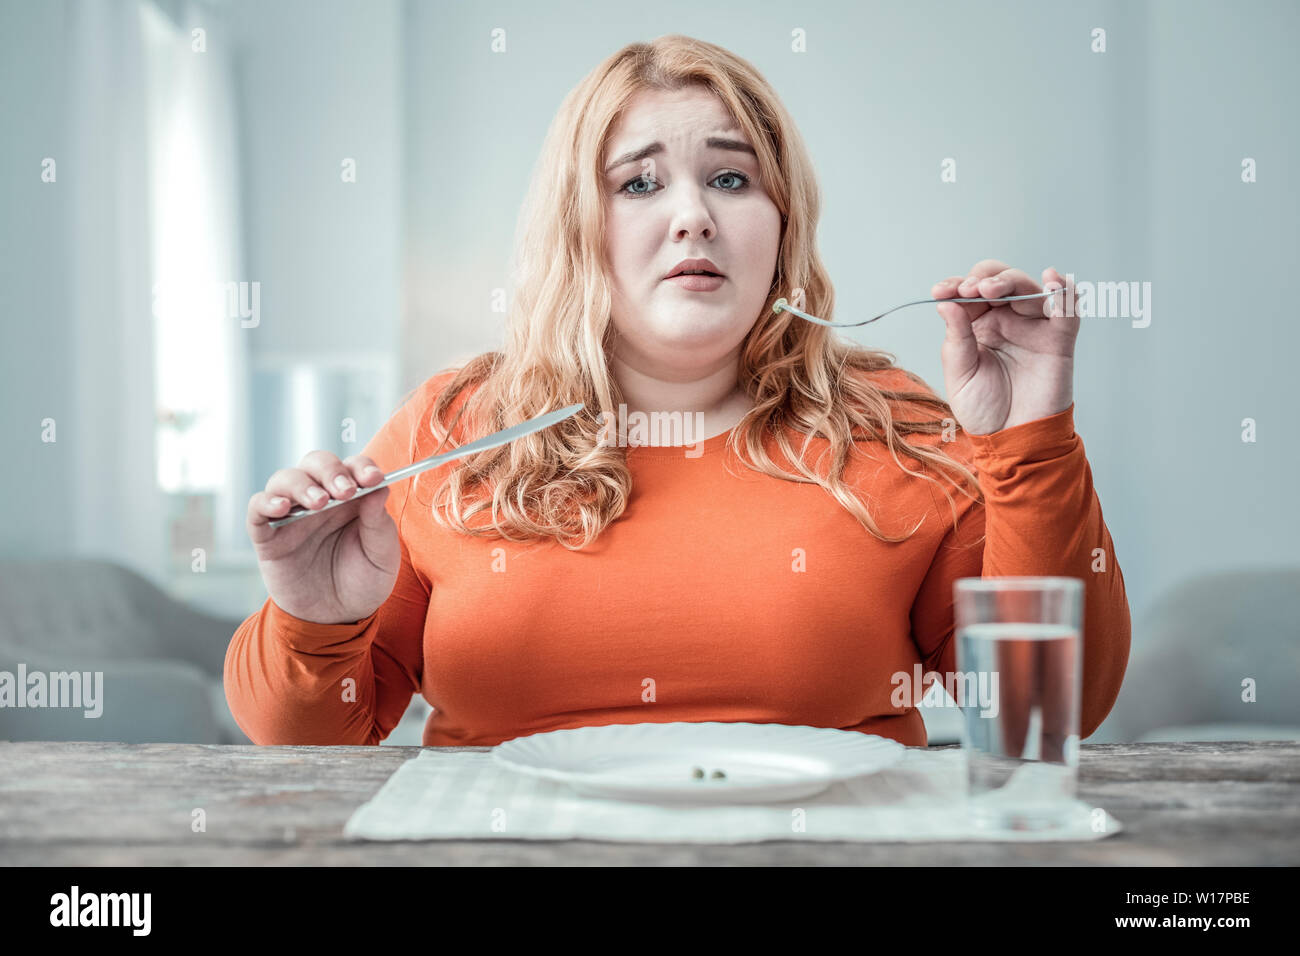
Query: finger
[371, 513]
[960, 351]
[959, 326]
[958, 322]
[299, 486]
[981, 270]
[1013, 282]
[988, 267]
[264, 508]
[1060, 309]
[953, 287]
[945, 288]
[332, 475]
[364, 470]
[1052, 279]
[970, 286]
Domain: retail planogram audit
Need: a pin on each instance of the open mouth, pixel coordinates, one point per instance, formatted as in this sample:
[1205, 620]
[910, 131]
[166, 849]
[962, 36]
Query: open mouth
[697, 281]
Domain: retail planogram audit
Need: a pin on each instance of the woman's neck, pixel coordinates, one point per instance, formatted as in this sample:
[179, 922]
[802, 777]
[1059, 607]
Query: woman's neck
[709, 401]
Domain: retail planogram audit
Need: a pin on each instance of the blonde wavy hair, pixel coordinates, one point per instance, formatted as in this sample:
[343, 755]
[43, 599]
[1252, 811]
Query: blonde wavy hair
[564, 482]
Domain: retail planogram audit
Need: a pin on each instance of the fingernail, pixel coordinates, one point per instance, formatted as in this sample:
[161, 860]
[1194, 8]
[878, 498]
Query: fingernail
[342, 484]
[316, 494]
[371, 470]
[276, 502]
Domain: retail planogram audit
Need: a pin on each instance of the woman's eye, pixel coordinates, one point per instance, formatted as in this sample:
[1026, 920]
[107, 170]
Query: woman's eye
[632, 182]
[741, 178]
[744, 180]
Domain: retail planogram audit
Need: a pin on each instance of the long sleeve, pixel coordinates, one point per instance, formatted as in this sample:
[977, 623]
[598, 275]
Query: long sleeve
[1041, 517]
[290, 681]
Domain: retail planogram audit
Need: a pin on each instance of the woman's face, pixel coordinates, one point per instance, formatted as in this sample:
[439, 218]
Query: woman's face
[688, 199]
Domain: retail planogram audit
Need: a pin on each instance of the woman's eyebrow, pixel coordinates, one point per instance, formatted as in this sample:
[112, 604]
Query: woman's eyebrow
[713, 142]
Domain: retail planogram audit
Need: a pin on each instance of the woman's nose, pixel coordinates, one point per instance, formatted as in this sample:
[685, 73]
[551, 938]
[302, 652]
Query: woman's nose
[692, 217]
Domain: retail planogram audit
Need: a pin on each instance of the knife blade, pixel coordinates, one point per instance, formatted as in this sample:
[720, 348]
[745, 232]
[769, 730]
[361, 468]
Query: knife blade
[503, 437]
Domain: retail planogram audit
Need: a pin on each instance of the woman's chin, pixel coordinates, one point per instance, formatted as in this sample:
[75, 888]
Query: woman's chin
[693, 339]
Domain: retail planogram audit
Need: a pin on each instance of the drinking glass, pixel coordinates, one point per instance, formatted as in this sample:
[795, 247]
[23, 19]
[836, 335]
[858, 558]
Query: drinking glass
[1019, 662]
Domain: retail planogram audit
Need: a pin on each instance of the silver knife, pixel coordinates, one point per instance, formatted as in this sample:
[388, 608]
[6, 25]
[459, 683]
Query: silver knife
[503, 437]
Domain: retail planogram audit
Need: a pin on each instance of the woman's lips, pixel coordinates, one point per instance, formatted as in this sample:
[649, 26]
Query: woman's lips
[697, 283]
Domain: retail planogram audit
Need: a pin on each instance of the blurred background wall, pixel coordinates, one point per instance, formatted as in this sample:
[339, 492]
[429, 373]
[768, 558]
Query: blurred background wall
[344, 178]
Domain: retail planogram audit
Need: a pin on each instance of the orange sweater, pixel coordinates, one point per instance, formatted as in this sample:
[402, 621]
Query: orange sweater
[713, 597]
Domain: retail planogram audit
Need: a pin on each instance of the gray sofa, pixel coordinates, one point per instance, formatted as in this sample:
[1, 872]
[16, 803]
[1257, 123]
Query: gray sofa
[1196, 648]
[161, 660]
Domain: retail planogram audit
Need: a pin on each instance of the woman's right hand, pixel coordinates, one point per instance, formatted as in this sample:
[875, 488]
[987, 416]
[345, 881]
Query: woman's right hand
[336, 568]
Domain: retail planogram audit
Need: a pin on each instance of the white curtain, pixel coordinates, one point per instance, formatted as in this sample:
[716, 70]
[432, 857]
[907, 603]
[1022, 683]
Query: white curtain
[153, 169]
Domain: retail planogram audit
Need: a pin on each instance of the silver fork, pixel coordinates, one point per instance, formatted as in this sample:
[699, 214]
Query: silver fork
[780, 304]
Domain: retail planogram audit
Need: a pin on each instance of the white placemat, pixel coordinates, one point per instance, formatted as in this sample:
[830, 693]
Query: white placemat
[457, 796]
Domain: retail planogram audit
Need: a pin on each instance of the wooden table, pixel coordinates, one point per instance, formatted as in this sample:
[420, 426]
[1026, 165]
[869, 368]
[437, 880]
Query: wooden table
[109, 804]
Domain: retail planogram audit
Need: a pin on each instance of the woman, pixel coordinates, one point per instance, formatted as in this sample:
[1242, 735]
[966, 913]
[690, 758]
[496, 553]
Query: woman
[781, 562]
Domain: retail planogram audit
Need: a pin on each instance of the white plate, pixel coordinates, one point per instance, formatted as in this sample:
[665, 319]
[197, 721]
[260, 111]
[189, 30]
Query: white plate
[654, 762]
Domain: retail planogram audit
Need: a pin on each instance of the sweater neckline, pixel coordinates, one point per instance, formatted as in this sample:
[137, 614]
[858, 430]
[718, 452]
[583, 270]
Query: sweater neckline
[708, 446]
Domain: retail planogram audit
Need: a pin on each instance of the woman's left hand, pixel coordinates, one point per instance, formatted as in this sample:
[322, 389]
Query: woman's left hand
[1004, 364]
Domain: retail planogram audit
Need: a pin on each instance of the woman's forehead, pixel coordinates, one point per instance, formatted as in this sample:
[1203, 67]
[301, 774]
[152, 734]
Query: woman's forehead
[680, 120]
